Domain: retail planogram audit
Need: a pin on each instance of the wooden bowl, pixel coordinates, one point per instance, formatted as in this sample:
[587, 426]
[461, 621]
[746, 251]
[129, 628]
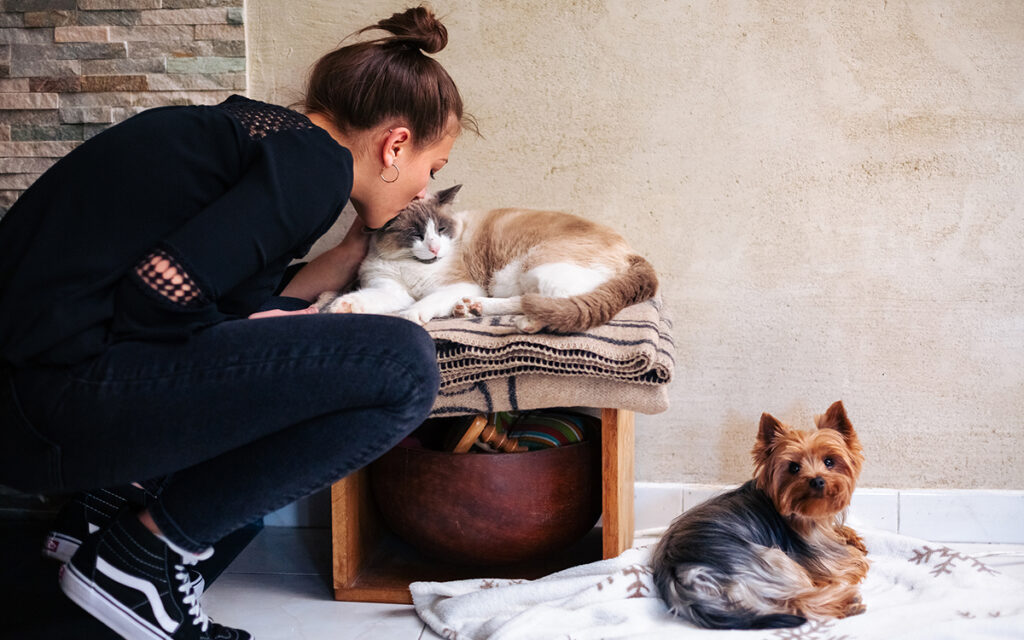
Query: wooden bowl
[489, 508]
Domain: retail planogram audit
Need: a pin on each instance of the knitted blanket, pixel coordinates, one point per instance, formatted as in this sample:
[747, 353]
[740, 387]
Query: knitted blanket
[488, 365]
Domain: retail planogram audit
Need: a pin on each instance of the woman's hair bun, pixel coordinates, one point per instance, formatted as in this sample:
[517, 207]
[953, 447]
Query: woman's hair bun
[417, 27]
[386, 80]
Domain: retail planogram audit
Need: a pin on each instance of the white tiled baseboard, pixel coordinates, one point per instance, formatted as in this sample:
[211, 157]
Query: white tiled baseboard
[939, 515]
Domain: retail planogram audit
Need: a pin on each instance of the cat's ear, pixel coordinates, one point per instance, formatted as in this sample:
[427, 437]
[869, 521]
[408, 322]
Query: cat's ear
[448, 195]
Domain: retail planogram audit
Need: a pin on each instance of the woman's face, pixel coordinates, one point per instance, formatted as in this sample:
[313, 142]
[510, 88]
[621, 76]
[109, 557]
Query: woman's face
[380, 200]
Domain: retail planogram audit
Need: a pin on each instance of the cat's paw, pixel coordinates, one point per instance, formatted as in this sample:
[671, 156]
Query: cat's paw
[419, 316]
[468, 307]
[324, 300]
[344, 304]
[526, 325]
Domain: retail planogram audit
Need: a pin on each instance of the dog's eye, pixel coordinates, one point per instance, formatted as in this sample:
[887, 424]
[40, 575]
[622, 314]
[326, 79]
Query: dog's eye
[829, 462]
[794, 467]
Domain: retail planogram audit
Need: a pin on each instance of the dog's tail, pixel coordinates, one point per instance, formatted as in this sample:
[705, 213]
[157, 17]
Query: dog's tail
[637, 283]
[711, 599]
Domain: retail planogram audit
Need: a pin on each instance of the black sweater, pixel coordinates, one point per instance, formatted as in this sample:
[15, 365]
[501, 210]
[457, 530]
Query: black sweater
[227, 194]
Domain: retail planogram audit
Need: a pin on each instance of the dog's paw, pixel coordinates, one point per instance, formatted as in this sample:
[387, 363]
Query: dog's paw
[855, 608]
[857, 543]
[851, 538]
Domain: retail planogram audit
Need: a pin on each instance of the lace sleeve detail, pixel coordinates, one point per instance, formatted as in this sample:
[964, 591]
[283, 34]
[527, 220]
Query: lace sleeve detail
[163, 275]
[260, 119]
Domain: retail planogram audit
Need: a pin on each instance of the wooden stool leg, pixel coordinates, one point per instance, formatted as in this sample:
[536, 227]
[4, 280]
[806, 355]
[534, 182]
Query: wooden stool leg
[354, 531]
[344, 515]
[617, 441]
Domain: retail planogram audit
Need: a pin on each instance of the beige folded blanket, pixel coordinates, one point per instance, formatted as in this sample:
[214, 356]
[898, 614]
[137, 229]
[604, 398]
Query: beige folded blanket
[631, 356]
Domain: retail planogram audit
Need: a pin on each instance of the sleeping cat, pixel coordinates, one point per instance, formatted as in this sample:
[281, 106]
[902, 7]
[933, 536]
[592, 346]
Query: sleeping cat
[554, 270]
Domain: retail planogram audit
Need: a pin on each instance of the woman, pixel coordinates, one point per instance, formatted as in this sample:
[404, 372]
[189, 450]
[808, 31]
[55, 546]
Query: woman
[128, 273]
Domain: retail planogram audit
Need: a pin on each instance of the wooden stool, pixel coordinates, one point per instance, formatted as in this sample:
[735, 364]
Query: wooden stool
[372, 565]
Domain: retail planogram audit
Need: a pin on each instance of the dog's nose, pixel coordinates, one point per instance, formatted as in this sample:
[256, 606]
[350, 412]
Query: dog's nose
[818, 483]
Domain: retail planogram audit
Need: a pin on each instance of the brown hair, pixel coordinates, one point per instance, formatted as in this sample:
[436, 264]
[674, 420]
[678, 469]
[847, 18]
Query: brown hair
[361, 85]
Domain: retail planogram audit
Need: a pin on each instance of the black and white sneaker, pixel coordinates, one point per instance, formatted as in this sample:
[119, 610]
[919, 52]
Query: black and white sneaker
[93, 511]
[84, 514]
[138, 584]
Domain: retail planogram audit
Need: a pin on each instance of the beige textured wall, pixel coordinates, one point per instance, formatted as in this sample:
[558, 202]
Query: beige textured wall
[833, 194]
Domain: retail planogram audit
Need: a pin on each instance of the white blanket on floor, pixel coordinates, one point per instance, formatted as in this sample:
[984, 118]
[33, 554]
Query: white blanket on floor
[914, 589]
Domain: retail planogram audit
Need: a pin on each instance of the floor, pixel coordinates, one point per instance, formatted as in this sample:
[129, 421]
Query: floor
[279, 588]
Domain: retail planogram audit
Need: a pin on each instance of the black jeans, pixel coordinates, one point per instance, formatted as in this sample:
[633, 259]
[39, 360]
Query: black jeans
[244, 418]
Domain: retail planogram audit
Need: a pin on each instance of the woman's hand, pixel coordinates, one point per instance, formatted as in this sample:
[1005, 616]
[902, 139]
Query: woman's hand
[334, 269]
[275, 313]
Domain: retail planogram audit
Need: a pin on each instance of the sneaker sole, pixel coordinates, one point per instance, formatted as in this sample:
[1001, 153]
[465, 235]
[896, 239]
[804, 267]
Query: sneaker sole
[98, 603]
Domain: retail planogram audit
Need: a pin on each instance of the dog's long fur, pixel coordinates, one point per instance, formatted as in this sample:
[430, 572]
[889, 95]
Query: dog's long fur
[773, 552]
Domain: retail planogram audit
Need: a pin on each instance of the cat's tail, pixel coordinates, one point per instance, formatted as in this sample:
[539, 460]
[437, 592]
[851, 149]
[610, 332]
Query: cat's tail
[578, 313]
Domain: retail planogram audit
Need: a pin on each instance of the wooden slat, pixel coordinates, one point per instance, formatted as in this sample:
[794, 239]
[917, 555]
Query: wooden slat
[344, 558]
[352, 527]
[388, 595]
[617, 440]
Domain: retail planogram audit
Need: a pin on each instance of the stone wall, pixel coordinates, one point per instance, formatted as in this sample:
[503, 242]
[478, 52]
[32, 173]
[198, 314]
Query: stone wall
[71, 68]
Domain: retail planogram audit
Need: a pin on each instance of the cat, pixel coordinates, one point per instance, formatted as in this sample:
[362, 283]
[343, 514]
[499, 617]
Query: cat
[553, 270]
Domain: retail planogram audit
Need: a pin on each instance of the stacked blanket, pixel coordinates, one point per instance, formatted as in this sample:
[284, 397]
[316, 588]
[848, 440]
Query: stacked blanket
[488, 365]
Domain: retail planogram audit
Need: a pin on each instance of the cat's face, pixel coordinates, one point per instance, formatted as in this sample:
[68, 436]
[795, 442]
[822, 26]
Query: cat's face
[423, 231]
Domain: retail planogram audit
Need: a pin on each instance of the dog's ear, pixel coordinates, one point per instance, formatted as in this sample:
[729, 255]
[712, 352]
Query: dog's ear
[769, 430]
[835, 418]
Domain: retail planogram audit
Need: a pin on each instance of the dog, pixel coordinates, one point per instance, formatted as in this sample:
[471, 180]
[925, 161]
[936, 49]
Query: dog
[775, 551]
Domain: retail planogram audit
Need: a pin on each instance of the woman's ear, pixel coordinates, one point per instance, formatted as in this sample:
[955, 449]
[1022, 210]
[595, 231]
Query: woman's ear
[394, 145]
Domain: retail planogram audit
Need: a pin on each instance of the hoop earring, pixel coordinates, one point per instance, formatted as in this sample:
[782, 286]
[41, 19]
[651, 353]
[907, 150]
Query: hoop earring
[395, 179]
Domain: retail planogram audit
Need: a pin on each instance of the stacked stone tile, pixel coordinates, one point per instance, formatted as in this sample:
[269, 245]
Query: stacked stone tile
[71, 68]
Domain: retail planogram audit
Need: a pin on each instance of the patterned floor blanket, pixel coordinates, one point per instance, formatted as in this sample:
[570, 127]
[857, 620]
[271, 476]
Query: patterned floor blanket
[914, 589]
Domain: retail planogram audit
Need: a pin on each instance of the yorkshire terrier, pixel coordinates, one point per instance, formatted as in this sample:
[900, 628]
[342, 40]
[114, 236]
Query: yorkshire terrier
[775, 551]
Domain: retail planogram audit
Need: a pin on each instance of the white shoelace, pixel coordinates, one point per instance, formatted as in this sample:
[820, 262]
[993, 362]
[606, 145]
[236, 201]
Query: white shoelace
[191, 599]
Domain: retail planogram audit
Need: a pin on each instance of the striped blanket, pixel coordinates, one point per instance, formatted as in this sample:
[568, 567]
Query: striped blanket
[488, 365]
